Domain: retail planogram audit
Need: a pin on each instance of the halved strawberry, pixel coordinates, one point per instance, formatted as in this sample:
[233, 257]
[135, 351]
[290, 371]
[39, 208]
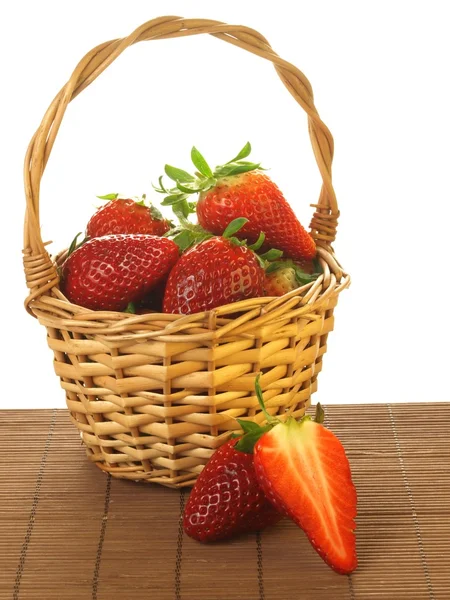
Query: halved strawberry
[304, 472]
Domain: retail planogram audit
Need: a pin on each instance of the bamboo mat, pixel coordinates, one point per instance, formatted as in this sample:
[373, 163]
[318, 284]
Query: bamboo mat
[68, 531]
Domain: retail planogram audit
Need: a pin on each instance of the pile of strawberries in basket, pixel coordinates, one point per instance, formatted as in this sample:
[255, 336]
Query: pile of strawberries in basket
[247, 243]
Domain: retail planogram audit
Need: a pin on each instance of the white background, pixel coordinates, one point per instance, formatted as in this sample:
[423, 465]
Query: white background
[380, 72]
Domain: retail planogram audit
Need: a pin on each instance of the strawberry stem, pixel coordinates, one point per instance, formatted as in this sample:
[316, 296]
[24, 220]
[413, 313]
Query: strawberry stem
[259, 395]
[131, 308]
[320, 414]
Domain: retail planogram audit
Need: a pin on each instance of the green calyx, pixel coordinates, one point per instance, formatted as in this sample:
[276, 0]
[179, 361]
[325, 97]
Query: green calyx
[131, 308]
[253, 432]
[187, 234]
[205, 177]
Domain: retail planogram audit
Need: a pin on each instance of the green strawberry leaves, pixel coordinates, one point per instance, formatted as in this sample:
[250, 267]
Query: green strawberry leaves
[272, 254]
[234, 227]
[155, 212]
[259, 242]
[236, 165]
[248, 440]
[173, 199]
[236, 168]
[200, 163]
[75, 244]
[242, 154]
[190, 190]
[187, 234]
[178, 175]
[301, 276]
[253, 432]
[205, 178]
[108, 197]
[131, 308]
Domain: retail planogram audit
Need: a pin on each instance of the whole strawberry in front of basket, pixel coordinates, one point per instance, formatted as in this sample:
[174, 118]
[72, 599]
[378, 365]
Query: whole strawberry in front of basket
[227, 499]
[108, 273]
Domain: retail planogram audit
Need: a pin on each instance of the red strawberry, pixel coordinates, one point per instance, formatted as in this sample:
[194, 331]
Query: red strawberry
[304, 472]
[308, 266]
[124, 215]
[109, 272]
[239, 189]
[283, 276]
[215, 272]
[280, 282]
[226, 499]
[153, 301]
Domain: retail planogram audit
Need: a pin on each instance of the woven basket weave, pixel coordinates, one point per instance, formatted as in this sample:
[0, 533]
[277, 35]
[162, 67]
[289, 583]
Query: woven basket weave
[154, 395]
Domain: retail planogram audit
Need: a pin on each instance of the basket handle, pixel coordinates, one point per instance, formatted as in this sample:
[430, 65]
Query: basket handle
[40, 271]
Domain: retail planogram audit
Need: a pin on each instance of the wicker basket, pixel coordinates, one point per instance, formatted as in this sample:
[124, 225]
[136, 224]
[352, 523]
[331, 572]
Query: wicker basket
[154, 395]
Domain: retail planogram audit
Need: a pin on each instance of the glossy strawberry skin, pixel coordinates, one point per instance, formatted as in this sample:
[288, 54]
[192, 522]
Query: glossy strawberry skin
[255, 196]
[213, 273]
[226, 499]
[109, 272]
[125, 216]
[304, 472]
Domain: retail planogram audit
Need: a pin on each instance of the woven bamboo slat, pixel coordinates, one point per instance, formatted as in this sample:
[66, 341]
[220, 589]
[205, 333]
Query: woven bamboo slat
[154, 395]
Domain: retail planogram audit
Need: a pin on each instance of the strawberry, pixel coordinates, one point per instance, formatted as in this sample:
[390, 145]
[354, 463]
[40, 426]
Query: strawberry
[304, 471]
[280, 282]
[226, 499]
[240, 188]
[285, 275]
[153, 301]
[214, 272]
[108, 273]
[125, 215]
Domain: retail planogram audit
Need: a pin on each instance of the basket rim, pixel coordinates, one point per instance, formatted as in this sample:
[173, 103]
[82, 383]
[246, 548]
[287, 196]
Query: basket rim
[53, 309]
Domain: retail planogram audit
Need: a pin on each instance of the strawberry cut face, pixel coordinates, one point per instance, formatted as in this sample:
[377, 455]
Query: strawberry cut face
[304, 472]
